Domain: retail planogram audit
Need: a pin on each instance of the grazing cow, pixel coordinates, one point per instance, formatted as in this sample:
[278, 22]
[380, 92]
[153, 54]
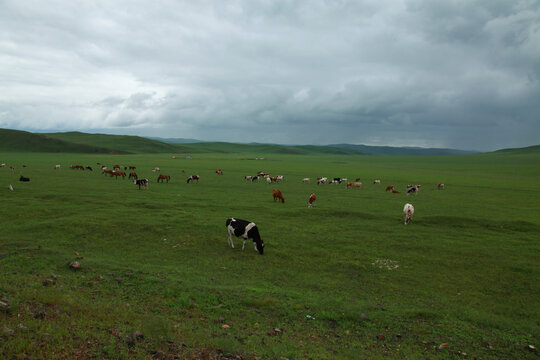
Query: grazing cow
[10, 187]
[390, 187]
[413, 189]
[277, 195]
[254, 178]
[311, 200]
[183, 171]
[247, 178]
[56, 167]
[440, 186]
[306, 180]
[193, 178]
[357, 179]
[354, 184]
[118, 173]
[3, 165]
[108, 172]
[376, 181]
[116, 167]
[269, 180]
[336, 180]
[408, 210]
[396, 192]
[246, 230]
[219, 172]
[133, 175]
[73, 167]
[25, 179]
[163, 177]
[322, 180]
[279, 178]
[141, 182]
[155, 169]
[89, 168]
[132, 167]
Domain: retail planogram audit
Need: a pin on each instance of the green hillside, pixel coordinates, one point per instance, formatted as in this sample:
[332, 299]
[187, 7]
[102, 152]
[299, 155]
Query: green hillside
[524, 150]
[23, 141]
[120, 143]
[262, 149]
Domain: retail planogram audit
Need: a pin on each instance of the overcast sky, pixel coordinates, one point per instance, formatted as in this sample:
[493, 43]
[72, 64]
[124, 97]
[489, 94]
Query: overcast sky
[433, 73]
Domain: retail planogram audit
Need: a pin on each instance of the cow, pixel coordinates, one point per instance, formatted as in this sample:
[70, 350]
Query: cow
[413, 189]
[322, 180]
[163, 177]
[408, 211]
[89, 168]
[269, 180]
[279, 178]
[254, 178]
[3, 165]
[116, 167]
[74, 167]
[118, 173]
[246, 230]
[25, 179]
[390, 187]
[396, 192]
[193, 178]
[132, 167]
[306, 180]
[10, 187]
[277, 195]
[357, 179]
[155, 169]
[133, 175]
[440, 186]
[354, 184]
[247, 178]
[56, 167]
[377, 181]
[108, 172]
[336, 181]
[219, 172]
[311, 200]
[141, 182]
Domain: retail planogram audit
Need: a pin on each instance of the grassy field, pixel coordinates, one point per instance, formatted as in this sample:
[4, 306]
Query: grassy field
[342, 280]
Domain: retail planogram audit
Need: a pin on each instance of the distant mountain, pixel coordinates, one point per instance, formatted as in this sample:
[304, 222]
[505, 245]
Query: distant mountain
[409, 151]
[23, 141]
[175, 140]
[523, 150]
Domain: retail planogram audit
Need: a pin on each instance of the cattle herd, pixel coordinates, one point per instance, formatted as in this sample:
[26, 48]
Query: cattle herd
[242, 228]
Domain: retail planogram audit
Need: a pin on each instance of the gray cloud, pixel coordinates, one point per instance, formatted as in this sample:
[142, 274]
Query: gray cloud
[460, 74]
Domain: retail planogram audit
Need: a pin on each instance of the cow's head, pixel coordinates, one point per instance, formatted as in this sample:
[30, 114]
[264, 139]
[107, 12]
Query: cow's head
[260, 246]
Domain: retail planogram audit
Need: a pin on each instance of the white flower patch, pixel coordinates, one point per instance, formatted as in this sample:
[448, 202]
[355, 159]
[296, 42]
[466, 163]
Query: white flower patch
[386, 264]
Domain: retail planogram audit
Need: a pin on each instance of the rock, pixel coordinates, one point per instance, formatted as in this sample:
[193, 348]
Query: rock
[7, 331]
[4, 304]
[75, 265]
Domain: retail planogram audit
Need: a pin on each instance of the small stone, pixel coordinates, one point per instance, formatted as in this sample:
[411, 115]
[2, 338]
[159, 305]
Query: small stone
[4, 303]
[75, 265]
[531, 347]
[7, 331]
[380, 336]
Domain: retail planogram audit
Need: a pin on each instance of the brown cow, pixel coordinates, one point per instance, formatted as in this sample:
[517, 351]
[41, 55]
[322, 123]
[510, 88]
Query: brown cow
[219, 172]
[311, 200]
[133, 175]
[389, 187]
[163, 177]
[396, 192]
[277, 195]
[119, 173]
[354, 184]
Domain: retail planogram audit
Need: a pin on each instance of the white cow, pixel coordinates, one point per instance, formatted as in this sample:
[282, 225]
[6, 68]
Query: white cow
[408, 211]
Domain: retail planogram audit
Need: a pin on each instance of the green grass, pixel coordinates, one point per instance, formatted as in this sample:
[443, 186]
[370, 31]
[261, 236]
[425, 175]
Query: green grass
[157, 260]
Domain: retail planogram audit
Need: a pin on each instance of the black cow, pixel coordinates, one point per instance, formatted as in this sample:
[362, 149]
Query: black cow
[247, 230]
[22, 178]
[141, 182]
[89, 168]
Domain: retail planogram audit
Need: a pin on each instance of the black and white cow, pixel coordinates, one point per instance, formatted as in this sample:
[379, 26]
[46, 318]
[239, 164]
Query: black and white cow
[246, 230]
[141, 182]
[413, 189]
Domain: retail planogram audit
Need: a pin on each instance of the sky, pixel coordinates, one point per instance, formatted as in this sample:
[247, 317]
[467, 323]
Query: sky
[461, 74]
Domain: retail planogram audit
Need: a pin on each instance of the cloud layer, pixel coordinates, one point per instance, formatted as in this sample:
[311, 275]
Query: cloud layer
[463, 74]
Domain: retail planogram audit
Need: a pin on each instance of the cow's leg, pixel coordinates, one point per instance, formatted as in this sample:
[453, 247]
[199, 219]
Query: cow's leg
[244, 244]
[230, 238]
[255, 246]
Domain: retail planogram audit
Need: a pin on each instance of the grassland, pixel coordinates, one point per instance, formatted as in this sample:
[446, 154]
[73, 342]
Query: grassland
[156, 261]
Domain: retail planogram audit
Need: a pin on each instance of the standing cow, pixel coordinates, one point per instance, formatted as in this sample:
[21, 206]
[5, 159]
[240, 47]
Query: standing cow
[246, 230]
[408, 211]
